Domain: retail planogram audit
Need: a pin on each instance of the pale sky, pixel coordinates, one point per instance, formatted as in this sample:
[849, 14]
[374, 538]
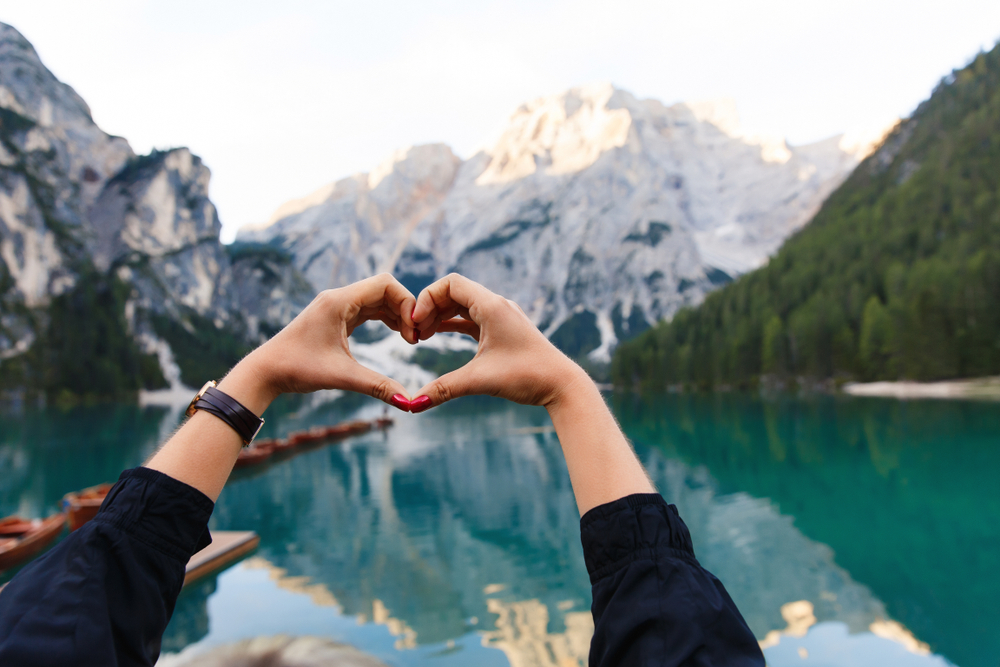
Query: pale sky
[280, 98]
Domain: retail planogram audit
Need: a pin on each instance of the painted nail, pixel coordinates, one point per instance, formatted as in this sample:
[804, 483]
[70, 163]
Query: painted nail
[420, 403]
[400, 402]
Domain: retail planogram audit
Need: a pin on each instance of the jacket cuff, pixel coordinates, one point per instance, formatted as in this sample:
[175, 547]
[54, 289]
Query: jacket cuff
[640, 526]
[164, 513]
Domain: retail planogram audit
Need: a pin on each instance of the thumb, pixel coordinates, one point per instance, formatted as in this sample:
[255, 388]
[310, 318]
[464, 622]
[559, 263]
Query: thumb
[465, 381]
[364, 380]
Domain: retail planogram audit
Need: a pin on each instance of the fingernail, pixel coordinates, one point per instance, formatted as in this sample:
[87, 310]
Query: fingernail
[420, 403]
[400, 402]
[412, 312]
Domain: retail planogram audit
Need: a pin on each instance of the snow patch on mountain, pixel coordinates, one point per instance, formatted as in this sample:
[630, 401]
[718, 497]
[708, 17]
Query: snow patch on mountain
[598, 212]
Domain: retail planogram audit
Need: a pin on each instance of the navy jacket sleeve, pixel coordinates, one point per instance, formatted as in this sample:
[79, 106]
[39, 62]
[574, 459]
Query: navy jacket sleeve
[654, 604]
[104, 595]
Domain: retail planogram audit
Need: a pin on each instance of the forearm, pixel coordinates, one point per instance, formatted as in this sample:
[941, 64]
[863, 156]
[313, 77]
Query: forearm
[203, 451]
[602, 465]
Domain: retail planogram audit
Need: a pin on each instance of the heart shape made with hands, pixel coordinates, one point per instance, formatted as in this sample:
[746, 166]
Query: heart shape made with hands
[514, 359]
[420, 403]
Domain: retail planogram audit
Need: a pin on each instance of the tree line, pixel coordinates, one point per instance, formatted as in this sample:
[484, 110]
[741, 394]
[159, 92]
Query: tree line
[897, 276]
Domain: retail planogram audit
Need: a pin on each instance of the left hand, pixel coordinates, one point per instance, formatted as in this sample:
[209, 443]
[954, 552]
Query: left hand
[312, 353]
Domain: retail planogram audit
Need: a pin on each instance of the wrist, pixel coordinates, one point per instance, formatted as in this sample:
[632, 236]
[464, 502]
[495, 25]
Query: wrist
[574, 384]
[249, 384]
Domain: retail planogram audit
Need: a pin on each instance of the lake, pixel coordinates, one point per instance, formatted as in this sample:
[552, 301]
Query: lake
[849, 531]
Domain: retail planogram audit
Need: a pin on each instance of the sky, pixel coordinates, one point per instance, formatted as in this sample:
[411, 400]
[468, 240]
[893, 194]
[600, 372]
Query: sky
[280, 98]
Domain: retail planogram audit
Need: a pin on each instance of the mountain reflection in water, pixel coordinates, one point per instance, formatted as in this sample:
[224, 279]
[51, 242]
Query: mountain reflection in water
[854, 531]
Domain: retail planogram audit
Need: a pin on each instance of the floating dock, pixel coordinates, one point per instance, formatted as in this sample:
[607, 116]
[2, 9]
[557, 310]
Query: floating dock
[227, 547]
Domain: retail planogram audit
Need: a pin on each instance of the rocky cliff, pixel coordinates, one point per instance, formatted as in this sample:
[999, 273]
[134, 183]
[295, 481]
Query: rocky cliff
[598, 212]
[112, 277]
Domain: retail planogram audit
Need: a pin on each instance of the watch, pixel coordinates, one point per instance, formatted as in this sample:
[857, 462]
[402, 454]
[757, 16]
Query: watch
[228, 409]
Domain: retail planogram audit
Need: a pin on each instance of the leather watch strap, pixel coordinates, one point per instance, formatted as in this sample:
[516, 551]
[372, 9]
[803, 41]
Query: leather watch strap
[229, 410]
[226, 402]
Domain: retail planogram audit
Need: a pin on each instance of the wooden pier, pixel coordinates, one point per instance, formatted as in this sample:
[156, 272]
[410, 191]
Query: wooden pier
[227, 547]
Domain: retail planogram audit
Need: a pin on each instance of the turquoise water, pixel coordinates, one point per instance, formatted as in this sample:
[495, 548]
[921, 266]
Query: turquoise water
[453, 539]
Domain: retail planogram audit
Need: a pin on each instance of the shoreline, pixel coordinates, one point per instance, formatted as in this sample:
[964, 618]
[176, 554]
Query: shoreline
[987, 388]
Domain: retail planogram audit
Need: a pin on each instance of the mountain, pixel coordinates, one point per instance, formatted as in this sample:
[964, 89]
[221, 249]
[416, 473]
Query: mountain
[599, 213]
[112, 277]
[898, 276]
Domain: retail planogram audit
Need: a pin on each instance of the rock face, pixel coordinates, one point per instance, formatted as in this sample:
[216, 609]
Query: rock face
[597, 212]
[54, 162]
[77, 206]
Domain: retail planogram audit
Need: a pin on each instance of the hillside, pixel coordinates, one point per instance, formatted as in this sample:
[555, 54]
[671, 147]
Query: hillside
[897, 276]
[598, 212]
[112, 276]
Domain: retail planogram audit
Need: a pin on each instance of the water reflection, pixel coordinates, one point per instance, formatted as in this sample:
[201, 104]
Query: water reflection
[903, 493]
[453, 538]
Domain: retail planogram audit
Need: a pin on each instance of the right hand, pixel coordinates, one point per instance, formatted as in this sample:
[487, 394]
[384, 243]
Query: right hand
[514, 361]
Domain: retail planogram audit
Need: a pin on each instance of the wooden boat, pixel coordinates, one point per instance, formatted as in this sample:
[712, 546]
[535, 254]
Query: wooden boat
[254, 455]
[297, 438]
[348, 428]
[82, 506]
[20, 539]
[262, 450]
[315, 435]
[282, 446]
[227, 547]
[384, 422]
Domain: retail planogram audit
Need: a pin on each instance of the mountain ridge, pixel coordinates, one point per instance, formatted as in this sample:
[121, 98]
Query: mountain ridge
[594, 210]
[112, 277]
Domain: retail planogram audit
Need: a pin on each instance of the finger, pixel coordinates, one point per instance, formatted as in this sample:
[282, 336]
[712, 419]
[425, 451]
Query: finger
[383, 289]
[452, 290]
[364, 380]
[445, 314]
[466, 381]
[460, 326]
[391, 322]
[369, 314]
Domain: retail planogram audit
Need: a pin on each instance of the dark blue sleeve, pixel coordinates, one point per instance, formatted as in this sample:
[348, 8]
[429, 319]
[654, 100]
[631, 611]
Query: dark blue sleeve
[104, 595]
[654, 604]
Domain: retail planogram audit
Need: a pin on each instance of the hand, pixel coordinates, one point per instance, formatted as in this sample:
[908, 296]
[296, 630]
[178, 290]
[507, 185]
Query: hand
[311, 353]
[514, 361]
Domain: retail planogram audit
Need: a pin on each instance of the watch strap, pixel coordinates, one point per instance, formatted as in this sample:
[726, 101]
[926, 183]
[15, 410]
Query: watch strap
[229, 410]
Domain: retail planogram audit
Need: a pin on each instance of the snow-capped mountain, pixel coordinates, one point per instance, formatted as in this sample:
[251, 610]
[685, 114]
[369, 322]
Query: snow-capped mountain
[599, 213]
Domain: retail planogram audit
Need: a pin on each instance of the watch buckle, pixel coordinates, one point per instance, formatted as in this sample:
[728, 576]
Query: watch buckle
[191, 409]
[259, 427]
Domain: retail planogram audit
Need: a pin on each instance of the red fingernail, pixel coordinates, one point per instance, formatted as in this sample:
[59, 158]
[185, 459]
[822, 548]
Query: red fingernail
[420, 403]
[412, 313]
[400, 402]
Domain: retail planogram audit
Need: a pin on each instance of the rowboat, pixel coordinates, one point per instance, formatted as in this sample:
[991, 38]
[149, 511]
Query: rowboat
[20, 539]
[283, 445]
[348, 428]
[82, 506]
[297, 438]
[253, 455]
[263, 450]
